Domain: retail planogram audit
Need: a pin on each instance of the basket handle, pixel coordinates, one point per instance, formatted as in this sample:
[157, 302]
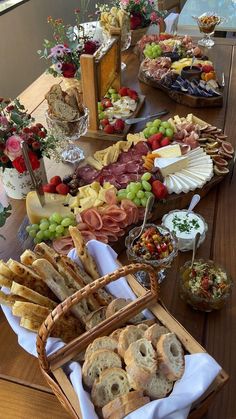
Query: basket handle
[65, 306]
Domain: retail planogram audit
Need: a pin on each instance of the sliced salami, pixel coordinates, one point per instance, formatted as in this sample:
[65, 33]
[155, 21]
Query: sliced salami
[92, 218]
[63, 245]
[110, 197]
[88, 235]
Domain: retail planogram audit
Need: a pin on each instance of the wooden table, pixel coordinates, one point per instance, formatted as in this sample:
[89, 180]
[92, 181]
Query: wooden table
[23, 392]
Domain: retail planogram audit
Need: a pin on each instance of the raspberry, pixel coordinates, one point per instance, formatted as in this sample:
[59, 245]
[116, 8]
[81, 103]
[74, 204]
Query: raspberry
[109, 129]
[55, 180]
[49, 188]
[119, 125]
[62, 189]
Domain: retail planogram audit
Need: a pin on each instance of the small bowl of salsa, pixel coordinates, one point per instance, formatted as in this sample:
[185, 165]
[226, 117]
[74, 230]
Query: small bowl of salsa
[206, 286]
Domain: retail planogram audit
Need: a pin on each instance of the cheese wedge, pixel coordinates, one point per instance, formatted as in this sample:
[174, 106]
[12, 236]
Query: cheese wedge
[170, 165]
[53, 203]
[169, 151]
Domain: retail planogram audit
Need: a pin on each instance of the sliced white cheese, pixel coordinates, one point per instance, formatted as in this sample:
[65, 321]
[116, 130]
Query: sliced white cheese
[198, 150]
[169, 151]
[195, 175]
[168, 182]
[192, 183]
[177, 186]
[200, 162]
[181, 181]
[170, 165]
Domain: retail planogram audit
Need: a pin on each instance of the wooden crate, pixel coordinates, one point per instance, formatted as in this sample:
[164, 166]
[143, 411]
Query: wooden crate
[51, 366]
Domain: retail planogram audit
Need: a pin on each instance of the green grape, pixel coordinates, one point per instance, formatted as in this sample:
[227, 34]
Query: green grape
[56, 218]
[147, 194]
[28, 229]
[131, 195]
[121, 196]
[52, 235]
[43, 220]
[136, 187]
[59, 229]
[140, 194]
[146, 132]
[100, 106]
[144, 202]
[146, 176]
[35, 227]
[66, 231]
[169, 132]
[149, 124]
[52, 227]
[146, 185]
[121, 192]
[153, 130]
[46, 234]
[66, 222]
[36, 241]
[111, 90]
[128, 188]
[156, 123]
[58, 235]
[165, 124]
[162, 130]
[32, 233]
[101, 115]
[44, 226]
[39, 235]
[137, 202]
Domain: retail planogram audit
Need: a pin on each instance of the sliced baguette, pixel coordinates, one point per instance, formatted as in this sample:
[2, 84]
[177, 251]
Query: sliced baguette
[127, 336]
[117, 403]
[154, 332]
[112, 383]
[129, 407]
[157, 387]
[97, 362]
[141, 353]
[119, 303]
[104, 342]
[170, 356]
[94, 318]
[116, 334]
[138, 376]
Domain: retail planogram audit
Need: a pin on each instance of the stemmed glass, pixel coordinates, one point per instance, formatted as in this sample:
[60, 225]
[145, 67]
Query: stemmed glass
[158, 264]
[125, 44]
[207, 23]
[68, 132]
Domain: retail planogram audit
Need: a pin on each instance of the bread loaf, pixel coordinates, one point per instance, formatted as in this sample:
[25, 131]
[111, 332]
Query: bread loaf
[142, 354]
[170, 356]
[127, 336]
[154, 332]
[97, 362]
[105, 342]
[129, 407]
[112, 383]
[117, 403]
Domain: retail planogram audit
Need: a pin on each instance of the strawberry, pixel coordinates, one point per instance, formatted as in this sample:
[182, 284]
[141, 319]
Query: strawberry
[159, 189]
[165, 141]
[119, 125]
[49, 188]
[123, 91]
[55, 180]
[207, 68]
[155, 144]
[62, 189]
[109, 129]
[133, 95]
[157, 137]
[104, 122]
[107, 102]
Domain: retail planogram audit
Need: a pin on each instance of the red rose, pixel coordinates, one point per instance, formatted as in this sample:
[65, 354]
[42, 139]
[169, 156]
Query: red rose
[90, 47]
[135, 21]
[19, 162]
[68, 70]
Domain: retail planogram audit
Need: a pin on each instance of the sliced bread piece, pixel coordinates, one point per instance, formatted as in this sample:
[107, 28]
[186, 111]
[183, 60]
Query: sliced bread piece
[128, 335]
[170, 356]
[158, 386]
[138, 376]
[117, 403]
[116, 334]
[154, 332]
[142, 354]
[97, 362]
[129, 407]
[119, 303]
[112, 383]
[95, 318]
[104, 342]
[62, 110]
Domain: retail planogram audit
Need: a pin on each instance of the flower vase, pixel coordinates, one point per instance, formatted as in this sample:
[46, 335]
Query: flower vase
[73, 83]
[17, 185]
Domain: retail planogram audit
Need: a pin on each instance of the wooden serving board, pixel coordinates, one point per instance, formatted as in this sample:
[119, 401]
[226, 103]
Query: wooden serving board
[101, 135]
[183, 98]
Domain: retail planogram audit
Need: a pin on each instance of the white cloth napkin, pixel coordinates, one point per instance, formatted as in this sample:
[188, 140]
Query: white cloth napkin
[200, 369]
[171, 22]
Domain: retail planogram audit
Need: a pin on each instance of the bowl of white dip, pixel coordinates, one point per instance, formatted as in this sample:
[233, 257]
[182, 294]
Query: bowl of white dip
[185, 226]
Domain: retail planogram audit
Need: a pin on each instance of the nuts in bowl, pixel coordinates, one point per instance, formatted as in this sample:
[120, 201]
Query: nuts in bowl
[206, 286]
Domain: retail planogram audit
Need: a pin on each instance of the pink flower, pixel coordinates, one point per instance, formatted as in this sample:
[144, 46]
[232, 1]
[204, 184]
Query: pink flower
[154, 17]
[13, 148]
[3, 122]
[124, 2]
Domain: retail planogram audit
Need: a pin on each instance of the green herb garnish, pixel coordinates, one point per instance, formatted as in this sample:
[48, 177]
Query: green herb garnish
[185, 226]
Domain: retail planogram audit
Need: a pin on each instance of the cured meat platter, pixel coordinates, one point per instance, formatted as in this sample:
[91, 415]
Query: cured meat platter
[176, 66]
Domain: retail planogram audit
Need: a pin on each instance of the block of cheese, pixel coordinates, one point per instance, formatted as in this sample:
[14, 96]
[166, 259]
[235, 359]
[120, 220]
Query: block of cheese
[53, 203]
[169, 151]
[170, 165]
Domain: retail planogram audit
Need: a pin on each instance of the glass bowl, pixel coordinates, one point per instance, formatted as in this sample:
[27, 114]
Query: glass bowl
[206, 286]
[207, 23]
[185, 227]
[158, 263]
[68, 130]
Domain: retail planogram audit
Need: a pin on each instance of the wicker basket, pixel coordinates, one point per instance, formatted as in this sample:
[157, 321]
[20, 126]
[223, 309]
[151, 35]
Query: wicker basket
[51, 366]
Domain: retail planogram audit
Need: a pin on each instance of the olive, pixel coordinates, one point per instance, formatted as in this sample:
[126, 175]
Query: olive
[67, 179]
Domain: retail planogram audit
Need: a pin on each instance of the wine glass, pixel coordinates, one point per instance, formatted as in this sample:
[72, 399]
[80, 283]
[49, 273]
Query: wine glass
[125, 43]
[67, 133]
[159, 264]
[207, 23]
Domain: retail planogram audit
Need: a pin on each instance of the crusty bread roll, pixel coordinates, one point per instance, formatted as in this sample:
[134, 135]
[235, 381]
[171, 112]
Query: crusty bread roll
[104, 342]
[170, 356]
[129, 407]
[142, 354]
[119, 303]
[94, 318]
[97, 362]
[154, 332]
[112, 383]
[127, 336]
[117, 403]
